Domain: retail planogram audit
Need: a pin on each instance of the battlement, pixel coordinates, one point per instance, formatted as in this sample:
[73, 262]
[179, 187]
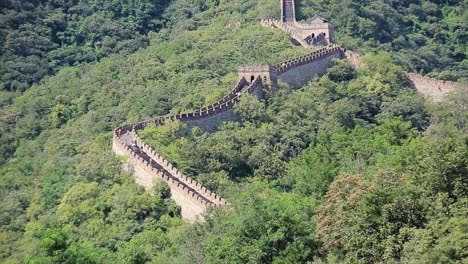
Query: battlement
[193, 197]
[282, 67]
[150, 165]
[253, 68]
[267, 73]
[185, 181]
[303, 30]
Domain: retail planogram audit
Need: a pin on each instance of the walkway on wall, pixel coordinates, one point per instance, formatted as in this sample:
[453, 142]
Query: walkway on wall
[148, 165]
[288, 11]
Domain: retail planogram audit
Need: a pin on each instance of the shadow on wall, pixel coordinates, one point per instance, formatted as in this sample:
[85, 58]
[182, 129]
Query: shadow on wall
[194, 198]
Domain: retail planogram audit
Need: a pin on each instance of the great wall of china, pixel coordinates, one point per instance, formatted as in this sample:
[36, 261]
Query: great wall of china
[148, 165]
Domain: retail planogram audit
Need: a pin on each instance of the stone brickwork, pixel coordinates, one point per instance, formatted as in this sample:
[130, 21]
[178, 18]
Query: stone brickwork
[288, 11]
[431, 88]
[266, 73]
[317, 28]
[315, 32]
[290, 64]
[146, 172]
[192, 197]
[302, 70]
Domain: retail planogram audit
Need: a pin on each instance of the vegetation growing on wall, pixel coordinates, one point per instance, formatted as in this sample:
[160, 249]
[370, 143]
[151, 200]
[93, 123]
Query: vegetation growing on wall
[56, 143]
[353, 167]
[425, 36]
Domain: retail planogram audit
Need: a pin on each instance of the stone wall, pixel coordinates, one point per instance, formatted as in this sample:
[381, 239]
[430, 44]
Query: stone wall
[192, 204]
[300, 71]
[200, 190]
[430, 87]
[301, 31]
[149, 165]
[193, 197]
[307, 29]
[267, 73]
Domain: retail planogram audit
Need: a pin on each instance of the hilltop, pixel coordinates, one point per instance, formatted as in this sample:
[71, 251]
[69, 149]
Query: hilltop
[353, 167]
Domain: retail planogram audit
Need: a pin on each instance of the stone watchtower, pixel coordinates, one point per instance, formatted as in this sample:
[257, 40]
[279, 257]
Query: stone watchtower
[266, 72]
[316, 31]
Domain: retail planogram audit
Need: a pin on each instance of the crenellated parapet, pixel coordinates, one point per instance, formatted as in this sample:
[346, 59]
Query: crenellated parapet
[315, 30]
[320, 54]
[289, 28]
[147, 165]
[188, 183]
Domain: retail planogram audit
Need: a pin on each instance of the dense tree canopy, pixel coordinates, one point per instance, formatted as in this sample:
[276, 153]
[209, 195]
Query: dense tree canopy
[38, 36]
[352, 168]
[426, 36]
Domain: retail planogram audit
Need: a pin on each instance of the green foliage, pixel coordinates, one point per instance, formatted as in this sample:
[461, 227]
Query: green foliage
[424, 36]
[250, 108]
[379, 76]
[343, 71]
[37, 38]
[353, 168]
[262, 226]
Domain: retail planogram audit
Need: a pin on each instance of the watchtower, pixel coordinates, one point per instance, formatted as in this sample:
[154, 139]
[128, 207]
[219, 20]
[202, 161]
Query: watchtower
[317, 31]
[266, 72]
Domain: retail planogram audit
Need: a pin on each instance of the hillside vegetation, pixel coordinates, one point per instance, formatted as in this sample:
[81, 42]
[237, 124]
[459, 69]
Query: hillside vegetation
[352, 168]
[427, 37]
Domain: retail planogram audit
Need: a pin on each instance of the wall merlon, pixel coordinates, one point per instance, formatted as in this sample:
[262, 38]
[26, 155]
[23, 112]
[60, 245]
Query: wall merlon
[263, 76]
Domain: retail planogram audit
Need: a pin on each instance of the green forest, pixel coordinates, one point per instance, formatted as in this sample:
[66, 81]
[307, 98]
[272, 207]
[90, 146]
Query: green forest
[354, 167]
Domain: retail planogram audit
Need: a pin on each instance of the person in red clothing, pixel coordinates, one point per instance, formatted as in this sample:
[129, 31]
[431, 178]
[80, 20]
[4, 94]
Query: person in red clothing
[119, 132]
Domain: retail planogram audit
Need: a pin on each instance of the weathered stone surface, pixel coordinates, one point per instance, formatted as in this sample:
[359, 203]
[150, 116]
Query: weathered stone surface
[431, 88]
[193, 198]
[301, 75]
[211, 123]
[149, 166]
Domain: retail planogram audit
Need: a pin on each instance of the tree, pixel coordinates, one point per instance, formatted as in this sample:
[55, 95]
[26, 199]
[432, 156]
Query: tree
[250, 108]
[336, 214]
